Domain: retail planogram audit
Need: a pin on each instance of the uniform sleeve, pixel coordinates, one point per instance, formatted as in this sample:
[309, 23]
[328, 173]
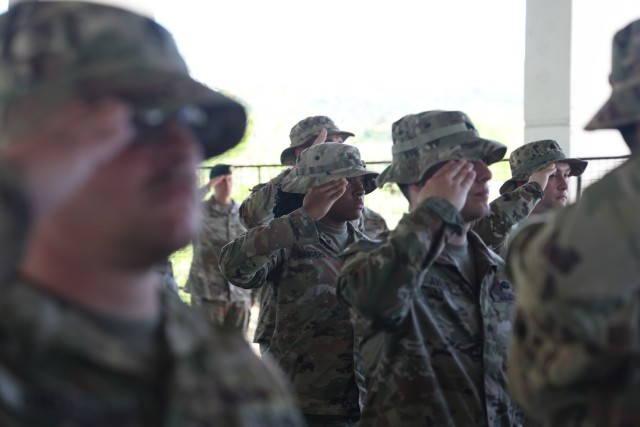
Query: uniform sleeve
[257, 208]
[506, 212]
[379, 279]
[248, 259]
[373, 224]
[577, 282]
[14, 220]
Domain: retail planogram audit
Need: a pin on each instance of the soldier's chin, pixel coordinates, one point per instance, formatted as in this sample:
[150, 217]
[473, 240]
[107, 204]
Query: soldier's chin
[474, 213]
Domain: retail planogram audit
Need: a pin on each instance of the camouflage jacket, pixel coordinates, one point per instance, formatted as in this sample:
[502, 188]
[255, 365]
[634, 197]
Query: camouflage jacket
[219, 227]
[57, 368]
[439, 342]
[507, 211]
[266, 323]
[371, 223]
[257, 208]
[313, 337]
[574, 352]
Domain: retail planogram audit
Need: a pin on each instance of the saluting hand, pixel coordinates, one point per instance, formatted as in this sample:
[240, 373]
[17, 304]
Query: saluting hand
[451, 182]
[319, 200]
[321, 138]
[542, 176]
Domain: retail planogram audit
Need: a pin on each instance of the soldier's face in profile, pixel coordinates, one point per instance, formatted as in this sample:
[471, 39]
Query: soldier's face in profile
[477, 204]
[556, 193]
[142, 205]
[349, 206]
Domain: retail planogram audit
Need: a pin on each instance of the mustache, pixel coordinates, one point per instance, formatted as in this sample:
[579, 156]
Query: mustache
[181, 174]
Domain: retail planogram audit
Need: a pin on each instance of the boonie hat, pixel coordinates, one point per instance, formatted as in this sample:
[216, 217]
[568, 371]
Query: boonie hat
[425, 140]
[623, 106]
[304, 131]
[54, 51]
[536, 156]
[326, 162]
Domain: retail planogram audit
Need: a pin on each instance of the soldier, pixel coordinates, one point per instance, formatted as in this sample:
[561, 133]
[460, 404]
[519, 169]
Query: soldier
[574, 354]
[101, 131]
[298, 252]
[430, 306]
[257, 208]
[224, 304]
[539, 183]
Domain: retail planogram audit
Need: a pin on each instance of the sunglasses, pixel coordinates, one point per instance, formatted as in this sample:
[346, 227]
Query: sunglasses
[213, 126]
[154, 119]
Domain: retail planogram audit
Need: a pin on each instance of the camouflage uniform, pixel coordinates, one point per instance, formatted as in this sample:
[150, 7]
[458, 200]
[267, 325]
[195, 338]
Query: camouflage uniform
[224, 304]
[59, 368]
[434, 345]
[574, 352]
[59, 365]
[371, 223]
[313, 338]
[517, 201]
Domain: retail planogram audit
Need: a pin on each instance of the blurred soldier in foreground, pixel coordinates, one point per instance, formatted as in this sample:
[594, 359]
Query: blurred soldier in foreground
[539, 183]
[298, 252]
[224, 304]
[431, 309]
[101, 133]
[576, 342]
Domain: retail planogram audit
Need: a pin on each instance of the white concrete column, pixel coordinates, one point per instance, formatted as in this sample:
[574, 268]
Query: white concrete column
[143, 7]
[547, 84]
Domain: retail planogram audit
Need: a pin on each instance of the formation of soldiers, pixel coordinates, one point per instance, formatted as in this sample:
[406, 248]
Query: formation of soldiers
[518, 311]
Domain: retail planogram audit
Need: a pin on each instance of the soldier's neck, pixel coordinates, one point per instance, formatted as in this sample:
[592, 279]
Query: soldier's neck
[126, 294]
[223, 199]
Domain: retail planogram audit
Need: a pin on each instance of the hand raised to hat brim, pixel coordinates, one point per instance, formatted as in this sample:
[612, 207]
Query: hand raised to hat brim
[215, 181]
[59, 155]
[318, 201]
[542, 176]
[452, 182]
[321, 138]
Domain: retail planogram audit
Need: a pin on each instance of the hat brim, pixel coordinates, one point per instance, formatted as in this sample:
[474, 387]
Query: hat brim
[417, 164]
[288, 155]
[302, 184]
[576, 168]
[622, 108]
[226, 119]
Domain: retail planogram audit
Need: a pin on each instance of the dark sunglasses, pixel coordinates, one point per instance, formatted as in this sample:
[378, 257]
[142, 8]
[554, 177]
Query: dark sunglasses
[154, 119]
[213, 126]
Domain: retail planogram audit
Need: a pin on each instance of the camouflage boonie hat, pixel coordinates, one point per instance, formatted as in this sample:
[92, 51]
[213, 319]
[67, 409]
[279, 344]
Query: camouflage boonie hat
[422, 141]
[536, 156]
[55, 51]
[326, 162]
[306, 129]
[623, 106]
